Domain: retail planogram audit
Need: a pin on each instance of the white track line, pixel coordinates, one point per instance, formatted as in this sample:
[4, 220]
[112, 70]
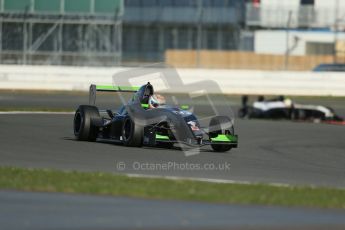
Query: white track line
[210, 180]
[35, 112]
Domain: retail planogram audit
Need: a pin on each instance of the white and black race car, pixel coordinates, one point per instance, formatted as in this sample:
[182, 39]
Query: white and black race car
[285, 108]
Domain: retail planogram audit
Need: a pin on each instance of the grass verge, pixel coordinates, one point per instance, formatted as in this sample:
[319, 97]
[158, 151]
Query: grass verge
[120, 185]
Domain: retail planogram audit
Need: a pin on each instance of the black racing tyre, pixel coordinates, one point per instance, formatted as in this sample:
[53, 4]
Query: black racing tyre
[220, 125]
[132, 133]
[242, 113]
[85, 123]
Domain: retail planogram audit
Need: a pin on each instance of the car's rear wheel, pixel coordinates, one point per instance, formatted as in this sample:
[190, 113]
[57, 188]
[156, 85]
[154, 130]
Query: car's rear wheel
[220, 125]
[132, 133]
[85, 123]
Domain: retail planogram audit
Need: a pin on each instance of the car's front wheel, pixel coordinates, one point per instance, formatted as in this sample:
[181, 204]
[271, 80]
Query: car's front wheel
[132, 133]
[220, 125]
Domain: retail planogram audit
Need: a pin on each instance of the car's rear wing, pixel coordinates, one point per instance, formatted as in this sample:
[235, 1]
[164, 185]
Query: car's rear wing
[109, 88]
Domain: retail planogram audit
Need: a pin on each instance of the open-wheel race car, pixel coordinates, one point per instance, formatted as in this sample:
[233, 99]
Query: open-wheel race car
[146, 120]
[284, 108]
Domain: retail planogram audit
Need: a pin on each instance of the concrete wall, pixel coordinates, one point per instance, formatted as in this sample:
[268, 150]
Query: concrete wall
[274, 42]
[230, 81]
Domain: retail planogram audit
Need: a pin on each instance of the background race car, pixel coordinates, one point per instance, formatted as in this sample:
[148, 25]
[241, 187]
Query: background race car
[285, 108]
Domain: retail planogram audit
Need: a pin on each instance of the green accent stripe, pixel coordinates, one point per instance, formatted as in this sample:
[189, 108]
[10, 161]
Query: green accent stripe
[184, 107]
[145, 106]
[117, 88]
[224, 138]
[162, 137]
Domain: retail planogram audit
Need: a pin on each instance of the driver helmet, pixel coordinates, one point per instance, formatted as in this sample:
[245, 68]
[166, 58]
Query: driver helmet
[288, 102]
[156, 100]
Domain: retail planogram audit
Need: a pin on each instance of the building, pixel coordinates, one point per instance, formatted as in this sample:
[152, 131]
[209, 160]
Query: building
[301, 42]
[278, 35]
[295, 13]
[152, 26]
[128, 32]
[309, 28]
[114, 32]
[61, 32]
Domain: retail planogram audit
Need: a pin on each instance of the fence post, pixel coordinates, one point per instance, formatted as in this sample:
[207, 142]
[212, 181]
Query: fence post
[287, 53]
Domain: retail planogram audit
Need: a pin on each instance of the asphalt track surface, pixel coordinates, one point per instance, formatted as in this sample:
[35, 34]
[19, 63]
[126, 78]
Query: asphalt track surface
[71, 100]
[36, 211]
[270, 152]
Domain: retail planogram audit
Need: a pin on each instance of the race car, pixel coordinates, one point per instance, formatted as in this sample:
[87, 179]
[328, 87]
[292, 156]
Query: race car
[144, 120]
[285, 108]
